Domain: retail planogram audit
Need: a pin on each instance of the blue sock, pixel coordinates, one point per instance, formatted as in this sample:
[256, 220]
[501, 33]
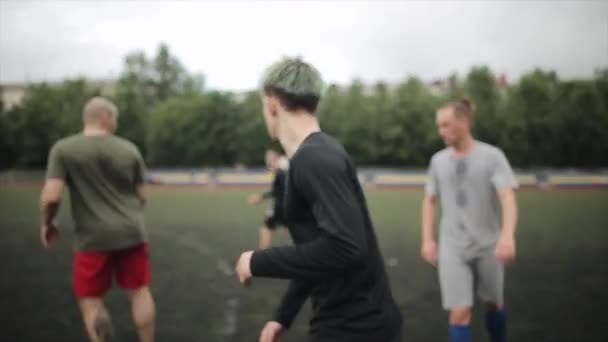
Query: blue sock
[496, 324]
[460, 333]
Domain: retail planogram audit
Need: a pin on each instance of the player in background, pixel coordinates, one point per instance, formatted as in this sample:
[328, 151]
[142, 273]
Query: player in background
[278, 164]
[336, 259]
[105, 176]
[474, 184]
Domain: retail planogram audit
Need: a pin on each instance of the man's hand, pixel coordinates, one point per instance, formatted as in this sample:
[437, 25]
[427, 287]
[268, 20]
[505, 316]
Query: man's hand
[243, 268]
[505, 249]
[49, 234]
[254, 199]
[272, 332]
[429, 252]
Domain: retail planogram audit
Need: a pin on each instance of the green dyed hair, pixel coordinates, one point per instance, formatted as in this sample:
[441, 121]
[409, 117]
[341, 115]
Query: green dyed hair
[294, 77]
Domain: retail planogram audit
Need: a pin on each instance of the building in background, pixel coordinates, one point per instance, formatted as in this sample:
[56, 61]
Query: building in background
[13, 94]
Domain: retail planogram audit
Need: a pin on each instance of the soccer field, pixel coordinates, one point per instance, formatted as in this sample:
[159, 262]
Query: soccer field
[556, 291]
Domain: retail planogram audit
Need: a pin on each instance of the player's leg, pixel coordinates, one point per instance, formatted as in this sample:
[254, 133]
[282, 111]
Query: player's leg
[266, 231]
[134, 274]
[490, 290]
[96, 318]
[456, 283]
[496, 322]
[92, 279]
[460, 324]
[143, 311]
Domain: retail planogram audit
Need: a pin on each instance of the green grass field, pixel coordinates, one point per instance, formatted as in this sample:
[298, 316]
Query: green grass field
[557, 290]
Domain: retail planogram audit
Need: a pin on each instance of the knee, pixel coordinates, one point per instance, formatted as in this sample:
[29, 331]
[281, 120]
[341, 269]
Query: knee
[492, 307]
[461, 316]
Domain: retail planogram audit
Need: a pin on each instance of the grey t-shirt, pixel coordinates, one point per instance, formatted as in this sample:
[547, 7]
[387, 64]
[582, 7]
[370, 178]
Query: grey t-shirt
[467, 189]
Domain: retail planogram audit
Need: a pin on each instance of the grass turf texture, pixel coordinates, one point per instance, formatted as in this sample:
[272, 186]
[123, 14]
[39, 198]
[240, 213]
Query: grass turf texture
[555, 292]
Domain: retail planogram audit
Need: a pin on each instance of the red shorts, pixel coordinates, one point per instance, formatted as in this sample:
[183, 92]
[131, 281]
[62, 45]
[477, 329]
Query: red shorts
[93, 270]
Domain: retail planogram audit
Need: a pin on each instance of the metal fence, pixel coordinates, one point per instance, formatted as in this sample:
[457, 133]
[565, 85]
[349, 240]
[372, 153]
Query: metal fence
[370, 177]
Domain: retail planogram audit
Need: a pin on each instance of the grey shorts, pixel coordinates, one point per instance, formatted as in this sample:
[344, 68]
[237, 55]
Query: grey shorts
[464, 271]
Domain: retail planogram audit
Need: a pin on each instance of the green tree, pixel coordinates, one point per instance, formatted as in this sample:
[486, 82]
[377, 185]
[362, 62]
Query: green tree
[134, 98]
[354, 117]
[145, 84]
[170, 78]
[47, 114]
[249, 133]
[533, 123]
[7, 146]
[331, 109]
[581, 126]
[412, 130]
[540, 121]
[194, 131]
[481, 87]
[379, 112]
[455, 88]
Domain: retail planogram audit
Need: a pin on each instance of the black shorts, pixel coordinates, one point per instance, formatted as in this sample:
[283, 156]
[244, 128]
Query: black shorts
[272, 220]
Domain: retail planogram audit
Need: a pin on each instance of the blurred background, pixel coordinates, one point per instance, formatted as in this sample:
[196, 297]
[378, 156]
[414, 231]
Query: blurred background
[184, 76]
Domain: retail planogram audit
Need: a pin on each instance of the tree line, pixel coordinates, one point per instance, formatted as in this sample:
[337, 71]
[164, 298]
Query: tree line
[540, 121]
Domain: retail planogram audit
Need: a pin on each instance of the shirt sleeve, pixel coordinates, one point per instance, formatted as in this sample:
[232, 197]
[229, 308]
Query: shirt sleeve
[276, 184]
[324, 180]
[432, 183]
[140, 169]
[292, 301]
[502, 173]
[55, 168]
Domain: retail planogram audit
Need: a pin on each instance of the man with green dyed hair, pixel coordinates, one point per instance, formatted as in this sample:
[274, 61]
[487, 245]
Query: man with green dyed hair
[335, 259]
[293, 76]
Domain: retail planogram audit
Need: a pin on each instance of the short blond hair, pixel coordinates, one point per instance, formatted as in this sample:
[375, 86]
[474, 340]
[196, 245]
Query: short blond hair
[462, 108]
[97, 106]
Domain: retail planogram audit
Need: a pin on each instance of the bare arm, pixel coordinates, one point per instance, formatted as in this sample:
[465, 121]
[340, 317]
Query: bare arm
[505, 248]
[509, 211]
[50, 199]
[429, 211]
[429, 208]
[429, 244]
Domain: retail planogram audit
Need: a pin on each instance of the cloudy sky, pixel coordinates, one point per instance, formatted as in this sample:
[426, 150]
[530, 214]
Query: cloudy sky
[231, 42]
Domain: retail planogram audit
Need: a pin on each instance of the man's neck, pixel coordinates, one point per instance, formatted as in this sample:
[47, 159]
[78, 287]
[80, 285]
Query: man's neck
[94, 131]
[464, 147]
[295, 128]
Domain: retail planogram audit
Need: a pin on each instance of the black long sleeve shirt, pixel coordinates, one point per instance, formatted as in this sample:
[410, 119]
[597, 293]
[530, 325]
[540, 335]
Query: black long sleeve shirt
[335, 259]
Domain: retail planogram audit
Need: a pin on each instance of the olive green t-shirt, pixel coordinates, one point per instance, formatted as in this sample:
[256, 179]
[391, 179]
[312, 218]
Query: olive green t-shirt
[102, 174]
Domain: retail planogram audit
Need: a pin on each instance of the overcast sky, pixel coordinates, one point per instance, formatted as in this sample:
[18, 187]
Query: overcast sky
[231, 42]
